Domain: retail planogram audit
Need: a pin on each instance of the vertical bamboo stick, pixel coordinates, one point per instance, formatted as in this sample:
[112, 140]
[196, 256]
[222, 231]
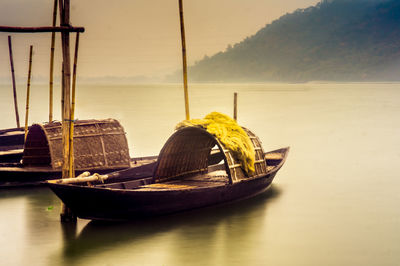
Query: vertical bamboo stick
[62, 92]
[13, 81]
[66, 88]
[53, 39]
[66, 214]
[184, 63]
[235, 106]
[28, 89]
[71, 134]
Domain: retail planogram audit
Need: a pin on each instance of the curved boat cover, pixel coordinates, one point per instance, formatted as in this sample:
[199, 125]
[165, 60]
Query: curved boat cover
[187, 152]
[98, 144]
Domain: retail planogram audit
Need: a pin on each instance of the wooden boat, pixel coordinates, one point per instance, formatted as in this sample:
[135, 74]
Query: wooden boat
[193, 170]
[99, 145]
[11, 145]
[11, 138]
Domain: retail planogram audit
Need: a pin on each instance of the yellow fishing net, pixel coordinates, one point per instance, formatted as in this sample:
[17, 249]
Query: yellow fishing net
[230, 134]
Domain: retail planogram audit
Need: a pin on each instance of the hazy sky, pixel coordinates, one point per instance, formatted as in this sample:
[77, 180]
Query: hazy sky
[136, 37]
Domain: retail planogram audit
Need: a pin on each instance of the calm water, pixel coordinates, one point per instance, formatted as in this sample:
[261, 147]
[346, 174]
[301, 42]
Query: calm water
[335, 201]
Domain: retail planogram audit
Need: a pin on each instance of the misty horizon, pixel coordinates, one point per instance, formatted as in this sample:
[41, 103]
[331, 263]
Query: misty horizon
[135, 39]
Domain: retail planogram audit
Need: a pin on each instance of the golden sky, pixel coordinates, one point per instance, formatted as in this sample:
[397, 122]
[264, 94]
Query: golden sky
[136, 37]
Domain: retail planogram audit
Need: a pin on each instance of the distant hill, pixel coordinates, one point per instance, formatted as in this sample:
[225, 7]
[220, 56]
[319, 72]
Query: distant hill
[345, 40]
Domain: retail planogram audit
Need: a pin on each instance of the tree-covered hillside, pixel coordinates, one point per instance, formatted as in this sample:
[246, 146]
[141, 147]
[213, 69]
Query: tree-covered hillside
[334, 40]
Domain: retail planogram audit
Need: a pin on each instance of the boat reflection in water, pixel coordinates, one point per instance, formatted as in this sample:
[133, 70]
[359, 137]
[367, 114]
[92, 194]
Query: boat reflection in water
[183, 236]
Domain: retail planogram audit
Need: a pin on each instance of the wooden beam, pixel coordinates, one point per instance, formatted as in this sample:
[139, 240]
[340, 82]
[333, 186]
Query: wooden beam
[62, 29]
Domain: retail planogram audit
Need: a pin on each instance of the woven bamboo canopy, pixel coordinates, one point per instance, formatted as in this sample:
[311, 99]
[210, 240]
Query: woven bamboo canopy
[187, 152]
[98, 144]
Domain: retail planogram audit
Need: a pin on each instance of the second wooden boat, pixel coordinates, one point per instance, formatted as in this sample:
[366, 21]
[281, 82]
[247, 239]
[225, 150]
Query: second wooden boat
[99, 145]
[11, 145]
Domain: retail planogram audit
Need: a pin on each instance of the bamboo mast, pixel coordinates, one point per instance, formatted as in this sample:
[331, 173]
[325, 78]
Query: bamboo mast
[65, 4]
[66, 215]
[28, 89]
[53, 39]
[235, 106]
[13, 81]
[184, 63]
[71, 133]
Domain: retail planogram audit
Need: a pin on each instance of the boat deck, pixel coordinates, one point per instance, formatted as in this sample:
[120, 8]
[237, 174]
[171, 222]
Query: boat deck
[213, 179]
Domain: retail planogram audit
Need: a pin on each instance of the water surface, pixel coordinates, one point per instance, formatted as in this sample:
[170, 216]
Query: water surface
[335, 201]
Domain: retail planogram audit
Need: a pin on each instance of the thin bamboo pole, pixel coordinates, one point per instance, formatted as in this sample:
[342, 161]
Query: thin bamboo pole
[235, 106]
[13, 81]
[71, 133]
[184, 63]
[28, 90]
[53, 40]
[60, 7]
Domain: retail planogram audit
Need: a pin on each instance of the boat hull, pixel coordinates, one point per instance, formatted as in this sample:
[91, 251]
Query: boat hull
[120, 204]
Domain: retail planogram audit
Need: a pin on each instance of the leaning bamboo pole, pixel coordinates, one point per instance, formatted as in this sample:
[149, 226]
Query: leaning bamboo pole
[13, 81]
[71, 129]
[184, 63]
[28, 89]
[53, 39]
